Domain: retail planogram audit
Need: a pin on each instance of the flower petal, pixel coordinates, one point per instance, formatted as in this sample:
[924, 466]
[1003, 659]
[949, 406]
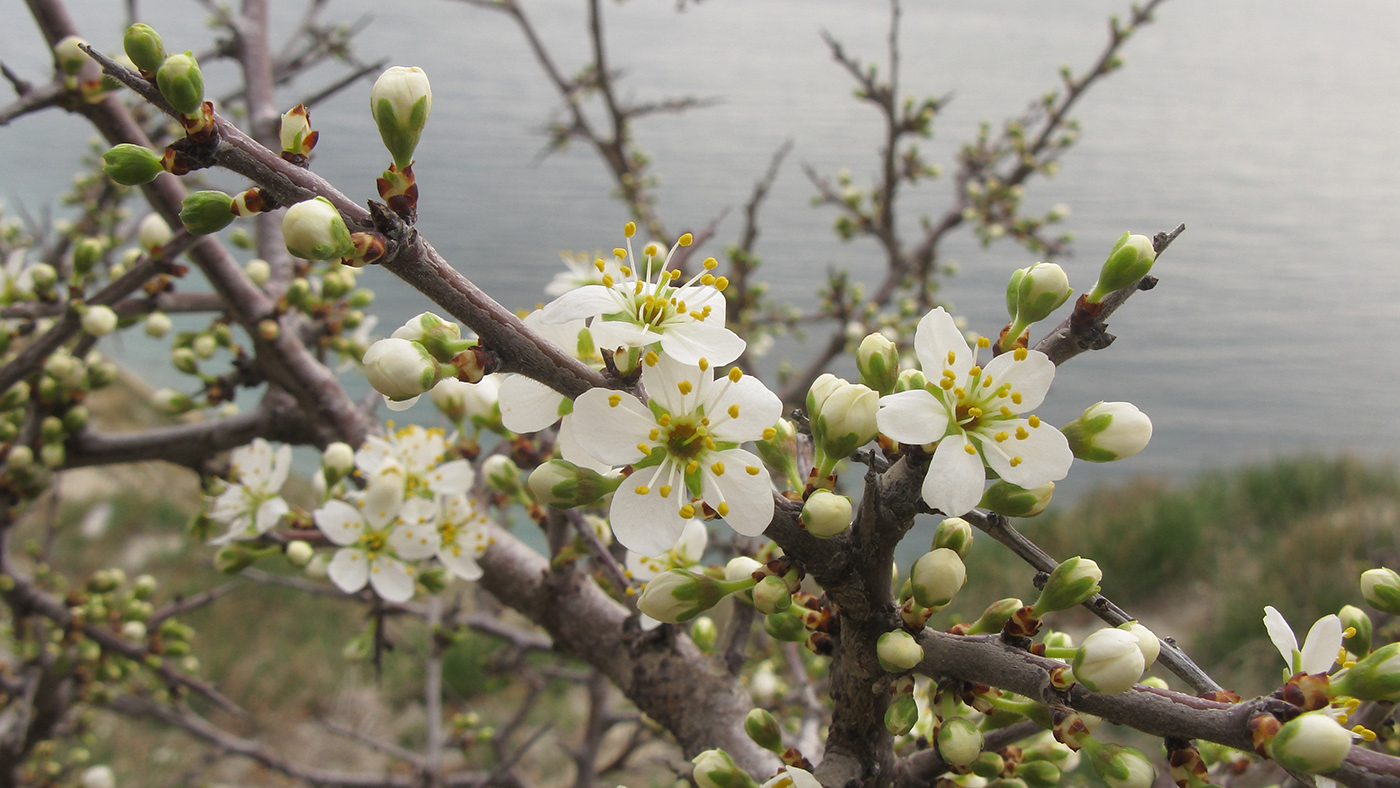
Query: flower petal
[269, 513]
[691, 548]
[391, 579]
[452, 477]
[744, 486]
[348, 570]
[1030, 377]
[399, 405]
[460, 560]
[1044, 453]
[1322, 644]
[1281, 634]
[644, 522]
[609, 424]
[741, 411]
[955, 477]
[571, 449]
[340, 522]
[528, 405]
[914, 417]
[937, 336]
[692, 341]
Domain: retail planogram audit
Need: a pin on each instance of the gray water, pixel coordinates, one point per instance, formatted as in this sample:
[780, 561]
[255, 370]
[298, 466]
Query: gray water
[1267, 127]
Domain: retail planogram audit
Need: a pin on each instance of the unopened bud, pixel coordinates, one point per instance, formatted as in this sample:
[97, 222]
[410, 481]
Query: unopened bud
[132, 165]
[898, 651]
[959, 742]
[845, 420]
[826, 514]
[563, 485]
[99, 321]
[502, 474]
[158, 324]
[771, 595]
[954, 533]
[937, 577]
[1109, 661]
[1381, 589]
[171, 401]
[877, 359]
[785, 625]
[1074, 582]
[1311, 743]
[315, 230]
[1119, 766]
[300, 553]
[1039, 291]
[258, 271]
[910, 380]
[1108, 431]
[206, 212]
[154, 233]
[901, 715]
[705, 634]
[1147, 642]
[995, 616]
[233, 558]
[1377, 677]
[181, 82]
[143, 45]
[762, 727]
[1355, 619]
[297, 137]
[71, 58]
[1128, 262]
[337, 460]
[715, 769]
[400, 370]
[401, 101]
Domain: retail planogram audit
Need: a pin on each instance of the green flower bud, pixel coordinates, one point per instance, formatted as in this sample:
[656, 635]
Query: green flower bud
[995, 616]
[400, 370]
[51, 429]
[1355, 618]
[181, 82]
[1108, 431]
[132, 165]
[959, 742]
[679, 595]
[901, 715]
[502, 474]
[989, 765]
[205, 346]
[705, 634]
[762, 727]
[171, 401]
[785, 625]
[909, 380]
[401, 101]
[1147, 642]
[1381, 589]
[1109, 661]
[937, 577]
[822, 387]
[1040, 291]
[954, 533]
[1377, 677]
[845, 420]
[43, 276]
[71, 58]
[1013, 291]
[15, 396]
[314, 230]
[771, 595]
[877, 358]
[233, 558]
[563, 485]
[826, 514]
[1311, 743]
[143, 45]
[715, 769]
[297, 137]
[1119, 766]
[87, 253]
[337, 461]
[52, 455]
[99, 321]
[1038, 774]
[259, 271]
[20, 458]
[898, 651]
[1128, 262]
[1074, 582]
[1007, 499]
[206, 212]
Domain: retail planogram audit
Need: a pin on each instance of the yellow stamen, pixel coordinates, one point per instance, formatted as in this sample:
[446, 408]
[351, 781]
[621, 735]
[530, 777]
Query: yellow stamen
[686, 240]
[751, 470]
[710, 263]
[967, 447]
[684, 386]
[952, 357]
[1034, 421]
[1020, 354]
[723, 509]
[642, 489]
[607, 280]
[644, 449]
[651, 358]
[629, 229]
[1000, 436]
[614, 400]
[687, 512]
[721, 282]
[1016, 397]
[692, 466]
[620, 253]
[665, 490]
[984, 342]
[733, 411]
[717, 469]
[1015, 461]
[1021, 433]
[735, 374]
[704, 364]
[769, 433]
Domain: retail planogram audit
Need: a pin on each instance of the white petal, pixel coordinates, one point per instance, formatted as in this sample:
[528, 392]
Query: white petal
[955, 478]
[373, 454]
[451, 477]
[415, 542]
[460, 561]
[391, 579]
[678, 387]
[611, 432]
[268, 514]
[281, 468]
[646, 523]
[528, 405]
[691, 548]
[1322, 644]
[251, 465]
[1030, 378]
[587, 301]
[1044, 452]
[744, 486]
[348, 570]
[571, 449]
[758, 409]
[915, 417]
[1280, 633]
[340, 522]
[937, 336]
[399, 405]
[690, 342]
[613, 334]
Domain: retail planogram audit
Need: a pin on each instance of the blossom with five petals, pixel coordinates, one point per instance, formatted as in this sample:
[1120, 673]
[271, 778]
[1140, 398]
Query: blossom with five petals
[643, 307]
[379, 537]
[252, 504]
[974, 415]
[683, 446]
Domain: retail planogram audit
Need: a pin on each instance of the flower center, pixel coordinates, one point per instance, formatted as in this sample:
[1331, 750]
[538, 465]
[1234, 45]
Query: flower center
[687, 440]
[373, 543]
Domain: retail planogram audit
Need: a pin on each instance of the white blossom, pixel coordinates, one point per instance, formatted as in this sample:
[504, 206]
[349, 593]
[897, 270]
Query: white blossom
[252, 504]
[1320, 647]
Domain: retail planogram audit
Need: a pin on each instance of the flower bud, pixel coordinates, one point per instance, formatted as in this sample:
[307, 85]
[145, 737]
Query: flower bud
[898, 651]
[954, 533]
[154, 233]
[1119, 766]
[822, 387]
[1108, 431]
[337, 460]
[1039, 291]
[204, 346]
[1147, 642]
[1109, 661]
[1128, 262]
[132, 165]
[314, 230]
[1310, 743]
[87, 253]
[959, 742]
[300, 553]
[71, 58]
[158, 324]
[901, 715]
[400, 102]
[51, 429]
[1355, 618]
[15, 396]
[762, 727]
[43, 276]
[99, 320]
[143, 45]
[937, 577]
[563, 485]
[98, 777]
[1038, 774]
[877, 358]
[771, 595]
[826, 514]
[740, 568]
[502, 474]
[20, 458]
[909, 380]
[715, 769]
[52, 455]
[1073, 582]
[297, 137]
[1007, 499]
[181, 82]
[785, 625]
[75, 419]
[399, 369]
[705, 634]
[1377, 677]
[995, 616]
[259, 271]
[171, 401]
[846, 420]
[1381, 589]
[233, 558]
[792, 777]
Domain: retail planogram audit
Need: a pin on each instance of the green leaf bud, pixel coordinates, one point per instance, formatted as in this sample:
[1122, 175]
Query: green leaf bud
[181, 82]
[205, 212]
[143, 45]
[132, 165]
[1007, 499]
[1128, 262]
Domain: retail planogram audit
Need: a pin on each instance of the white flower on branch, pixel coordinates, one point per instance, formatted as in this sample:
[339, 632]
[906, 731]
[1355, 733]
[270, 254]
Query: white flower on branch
[683, 446]
[1320, 647]
[252, 504]
[644, 308]
[379, 537]
[974, 416]
[419, 452]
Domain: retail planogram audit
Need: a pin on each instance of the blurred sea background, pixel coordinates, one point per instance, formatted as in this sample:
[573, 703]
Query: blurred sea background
[1267, 127]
